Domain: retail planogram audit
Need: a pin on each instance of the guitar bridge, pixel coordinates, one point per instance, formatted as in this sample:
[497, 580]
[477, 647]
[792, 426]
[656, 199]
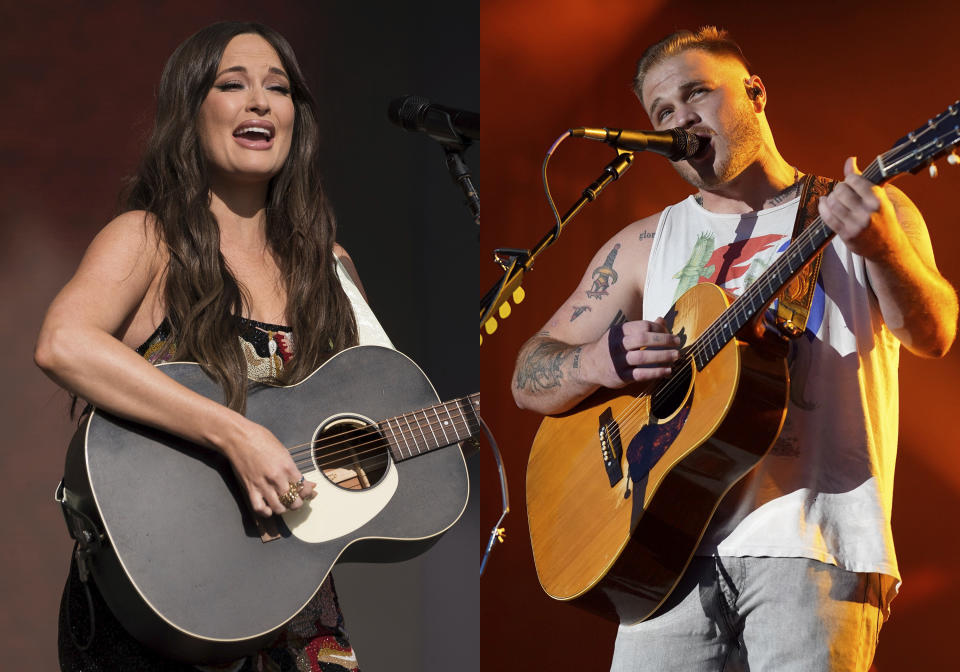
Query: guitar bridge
[611, 450]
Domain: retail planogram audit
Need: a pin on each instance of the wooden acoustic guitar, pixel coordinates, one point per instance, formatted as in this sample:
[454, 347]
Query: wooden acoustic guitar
[621, 488]
[184, 563]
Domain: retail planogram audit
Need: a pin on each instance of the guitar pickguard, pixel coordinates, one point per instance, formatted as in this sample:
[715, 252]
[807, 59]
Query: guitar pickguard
[336, 511]
[652, 441]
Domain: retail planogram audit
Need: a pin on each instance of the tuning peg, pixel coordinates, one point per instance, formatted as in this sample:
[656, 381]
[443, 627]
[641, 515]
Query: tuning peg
[504, 310]
[934, 171]
[490, 325]
[953, 159]
[519, 295]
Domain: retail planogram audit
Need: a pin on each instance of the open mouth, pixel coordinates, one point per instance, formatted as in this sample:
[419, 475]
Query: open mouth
[703, 148]
[255, 134]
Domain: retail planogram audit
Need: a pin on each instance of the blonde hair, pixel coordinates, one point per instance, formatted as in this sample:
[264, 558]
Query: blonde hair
[708, 38]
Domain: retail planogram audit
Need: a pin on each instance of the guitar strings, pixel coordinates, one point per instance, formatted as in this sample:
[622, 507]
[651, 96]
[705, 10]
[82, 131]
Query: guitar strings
[364, 453]
[738, 309]
[472, 400]
[374, 434]
[379, 441]
[375, 446]
[358, 431]
[371, 450]
[373, 453]
[375, 457]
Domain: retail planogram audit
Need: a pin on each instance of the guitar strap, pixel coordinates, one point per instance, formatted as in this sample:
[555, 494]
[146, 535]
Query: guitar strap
[793, 306]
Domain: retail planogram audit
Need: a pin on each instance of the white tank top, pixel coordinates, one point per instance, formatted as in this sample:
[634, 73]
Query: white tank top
[369, 331]
[825, 489]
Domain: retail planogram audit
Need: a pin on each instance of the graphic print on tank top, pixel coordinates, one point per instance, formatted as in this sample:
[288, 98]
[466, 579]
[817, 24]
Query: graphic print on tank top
[736, 266]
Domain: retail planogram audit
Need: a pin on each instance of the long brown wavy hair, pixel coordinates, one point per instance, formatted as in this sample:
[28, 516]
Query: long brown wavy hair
[201, 296]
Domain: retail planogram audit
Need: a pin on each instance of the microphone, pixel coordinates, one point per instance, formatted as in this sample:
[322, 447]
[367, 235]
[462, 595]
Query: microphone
[675, 144]
[446, 125]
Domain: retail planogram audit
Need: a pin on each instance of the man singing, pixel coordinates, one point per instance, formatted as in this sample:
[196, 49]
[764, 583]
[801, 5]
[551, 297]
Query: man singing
[797, 569]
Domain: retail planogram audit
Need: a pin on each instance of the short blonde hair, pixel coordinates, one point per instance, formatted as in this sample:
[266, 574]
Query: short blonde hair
[708, 38]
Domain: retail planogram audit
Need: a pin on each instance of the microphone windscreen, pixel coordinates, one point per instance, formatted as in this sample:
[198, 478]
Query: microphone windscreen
[687, 144]
[405, 112]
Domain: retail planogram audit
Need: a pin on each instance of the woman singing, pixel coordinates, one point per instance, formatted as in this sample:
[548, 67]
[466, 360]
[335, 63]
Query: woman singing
[224, 255]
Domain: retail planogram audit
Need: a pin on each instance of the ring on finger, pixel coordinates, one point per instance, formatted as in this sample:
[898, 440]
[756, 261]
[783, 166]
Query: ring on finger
[293, 491]
[288, 498]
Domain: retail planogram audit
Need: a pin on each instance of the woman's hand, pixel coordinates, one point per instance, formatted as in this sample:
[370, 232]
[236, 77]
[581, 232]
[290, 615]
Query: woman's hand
[266, 470]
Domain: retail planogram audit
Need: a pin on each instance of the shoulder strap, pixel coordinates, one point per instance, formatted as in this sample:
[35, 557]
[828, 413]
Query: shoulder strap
[793, 306]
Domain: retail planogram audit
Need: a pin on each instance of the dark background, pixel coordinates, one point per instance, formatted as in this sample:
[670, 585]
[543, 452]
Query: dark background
[842, 79]
[78, 97]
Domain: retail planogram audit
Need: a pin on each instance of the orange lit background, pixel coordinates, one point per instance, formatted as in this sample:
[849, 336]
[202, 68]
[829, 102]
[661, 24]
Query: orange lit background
[841, 80]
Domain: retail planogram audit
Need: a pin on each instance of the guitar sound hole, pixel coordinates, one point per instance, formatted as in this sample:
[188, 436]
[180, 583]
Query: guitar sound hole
[669, 395]
[351, 454]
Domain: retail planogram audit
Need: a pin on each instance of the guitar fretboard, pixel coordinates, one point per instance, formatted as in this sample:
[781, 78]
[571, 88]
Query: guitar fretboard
[427, 429]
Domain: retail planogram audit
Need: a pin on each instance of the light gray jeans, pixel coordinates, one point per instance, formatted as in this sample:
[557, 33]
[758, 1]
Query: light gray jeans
[759, 615]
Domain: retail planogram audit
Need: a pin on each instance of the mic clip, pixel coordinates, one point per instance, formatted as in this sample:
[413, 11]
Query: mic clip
[611, 172]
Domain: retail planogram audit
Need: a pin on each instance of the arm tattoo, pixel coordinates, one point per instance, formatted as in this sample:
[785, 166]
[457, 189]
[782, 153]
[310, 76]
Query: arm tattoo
[578, 311]
[542, 366]
[604, 276]
[620, 318]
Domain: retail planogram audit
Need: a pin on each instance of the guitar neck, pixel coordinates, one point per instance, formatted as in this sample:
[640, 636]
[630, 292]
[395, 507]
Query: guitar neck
[418, 432]
[757, 296]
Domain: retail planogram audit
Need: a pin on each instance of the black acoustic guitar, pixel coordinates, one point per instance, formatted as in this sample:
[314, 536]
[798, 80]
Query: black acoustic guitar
[165, 529]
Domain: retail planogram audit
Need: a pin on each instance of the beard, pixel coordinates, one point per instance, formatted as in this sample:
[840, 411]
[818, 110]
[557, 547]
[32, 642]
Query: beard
[737, 148]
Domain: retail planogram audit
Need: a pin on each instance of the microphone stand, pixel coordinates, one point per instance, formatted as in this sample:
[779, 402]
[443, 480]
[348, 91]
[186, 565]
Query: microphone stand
[461, 175]
[516, 262]
[454, 145]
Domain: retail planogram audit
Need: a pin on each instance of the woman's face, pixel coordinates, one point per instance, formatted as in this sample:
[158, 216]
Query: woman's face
[246, 121]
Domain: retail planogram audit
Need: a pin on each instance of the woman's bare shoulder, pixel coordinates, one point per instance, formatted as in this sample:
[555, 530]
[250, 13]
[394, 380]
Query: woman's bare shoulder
[132, 234]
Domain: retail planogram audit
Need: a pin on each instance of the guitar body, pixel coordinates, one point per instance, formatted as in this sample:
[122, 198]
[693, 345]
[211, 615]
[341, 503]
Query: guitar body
[183, 565]
[619, 548]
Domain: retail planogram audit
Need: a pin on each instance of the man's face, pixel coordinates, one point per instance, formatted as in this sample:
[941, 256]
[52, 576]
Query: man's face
[706, 95]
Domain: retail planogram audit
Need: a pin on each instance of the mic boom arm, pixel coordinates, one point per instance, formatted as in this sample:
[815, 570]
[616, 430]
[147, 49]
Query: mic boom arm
[517, 262]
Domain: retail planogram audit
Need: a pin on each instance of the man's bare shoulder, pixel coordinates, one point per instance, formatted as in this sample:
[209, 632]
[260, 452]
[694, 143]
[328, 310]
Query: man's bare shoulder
[635, 241]
[643, 230]
[636, 238]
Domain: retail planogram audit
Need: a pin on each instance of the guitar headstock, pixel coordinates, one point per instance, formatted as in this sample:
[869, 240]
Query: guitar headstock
[923, 146]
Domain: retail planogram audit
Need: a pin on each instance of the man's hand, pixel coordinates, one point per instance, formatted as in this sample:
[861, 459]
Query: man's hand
[631, 352]
[862, 215]
[884, 227]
